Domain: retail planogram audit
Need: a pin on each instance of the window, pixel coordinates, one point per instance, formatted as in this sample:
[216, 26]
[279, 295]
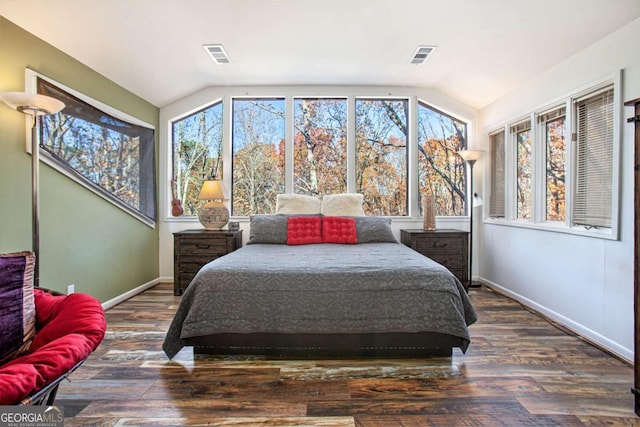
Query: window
[381, 155]
[521, 134]
[553, 128]
[497, 174]
[110, 155]
[594, 160]
[197, 154]
[440, 169]
[556, 185]
[320, 146]
[258, 154]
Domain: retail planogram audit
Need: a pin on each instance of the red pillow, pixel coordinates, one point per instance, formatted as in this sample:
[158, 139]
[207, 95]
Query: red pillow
[303, 230]
[57, 316]
[336, 229]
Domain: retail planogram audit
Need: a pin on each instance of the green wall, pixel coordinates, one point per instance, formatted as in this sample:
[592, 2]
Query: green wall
[84, 239]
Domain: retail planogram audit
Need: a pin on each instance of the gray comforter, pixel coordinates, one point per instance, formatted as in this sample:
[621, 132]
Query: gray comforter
[322, 288]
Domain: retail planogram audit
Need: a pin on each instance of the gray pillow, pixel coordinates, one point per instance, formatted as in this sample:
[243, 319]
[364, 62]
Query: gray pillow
[371, 229]
[268, 229]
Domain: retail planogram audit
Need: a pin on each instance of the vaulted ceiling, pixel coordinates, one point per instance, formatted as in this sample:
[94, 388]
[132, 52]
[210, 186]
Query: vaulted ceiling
[485, 48]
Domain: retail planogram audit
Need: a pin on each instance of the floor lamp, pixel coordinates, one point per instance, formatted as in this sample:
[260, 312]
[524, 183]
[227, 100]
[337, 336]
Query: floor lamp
[35, 106]
[470, 157]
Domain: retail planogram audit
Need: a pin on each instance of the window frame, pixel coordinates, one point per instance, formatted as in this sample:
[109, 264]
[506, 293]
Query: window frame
[614, 166]
[172, 153]
[540, 138]
[410, 149]
[464, 145]
[512, 167]
[348, 172]
[231, 138]
[539, 221]
[226, 94]
[31, 79]
[491, 174]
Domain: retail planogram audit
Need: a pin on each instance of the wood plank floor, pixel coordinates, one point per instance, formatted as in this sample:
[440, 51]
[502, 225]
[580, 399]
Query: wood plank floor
[519, 370]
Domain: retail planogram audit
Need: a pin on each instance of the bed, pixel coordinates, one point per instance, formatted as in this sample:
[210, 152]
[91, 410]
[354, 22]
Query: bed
[375, 297]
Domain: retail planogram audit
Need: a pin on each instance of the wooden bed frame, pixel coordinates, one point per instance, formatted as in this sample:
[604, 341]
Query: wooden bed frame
[401, 345]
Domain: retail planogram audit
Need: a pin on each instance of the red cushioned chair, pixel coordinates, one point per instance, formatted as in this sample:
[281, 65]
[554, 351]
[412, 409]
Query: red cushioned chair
[68, 328]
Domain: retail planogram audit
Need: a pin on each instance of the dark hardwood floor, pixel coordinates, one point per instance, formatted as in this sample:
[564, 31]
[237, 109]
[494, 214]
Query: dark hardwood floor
[519, 370]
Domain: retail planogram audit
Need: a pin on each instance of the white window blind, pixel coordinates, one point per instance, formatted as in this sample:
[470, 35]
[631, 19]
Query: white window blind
[521, 127]
[552, 115]
[496, 201]
[594, 160]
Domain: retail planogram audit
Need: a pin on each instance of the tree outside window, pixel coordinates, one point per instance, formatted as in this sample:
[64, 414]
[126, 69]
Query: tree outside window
[320, 146]
[441, 171]
[197, 154]
[381, 155]
[539, 141]
[258, 154]
[320, 151]
[524, 167]
[555, 159]
[112, 156]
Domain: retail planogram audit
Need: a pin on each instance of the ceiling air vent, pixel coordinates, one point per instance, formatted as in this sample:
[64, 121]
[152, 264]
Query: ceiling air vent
[217, 52]
[422, 53]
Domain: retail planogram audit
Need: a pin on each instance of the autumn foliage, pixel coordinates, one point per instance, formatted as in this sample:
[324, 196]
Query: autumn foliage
[320, 153]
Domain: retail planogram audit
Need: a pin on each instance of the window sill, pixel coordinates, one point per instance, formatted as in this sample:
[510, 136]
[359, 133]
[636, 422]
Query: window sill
[398, 219]
[603, 233]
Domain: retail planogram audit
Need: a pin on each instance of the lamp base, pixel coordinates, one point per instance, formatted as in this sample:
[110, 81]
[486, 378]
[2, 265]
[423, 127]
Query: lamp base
[213, 215]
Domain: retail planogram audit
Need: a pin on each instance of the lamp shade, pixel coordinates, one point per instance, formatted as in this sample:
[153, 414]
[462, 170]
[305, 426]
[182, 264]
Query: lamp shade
[32, 103]
[213, 215]
[470, 155]
[211, 190]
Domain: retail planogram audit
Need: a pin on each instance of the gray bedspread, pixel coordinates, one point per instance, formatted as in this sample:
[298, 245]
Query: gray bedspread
[321, 288]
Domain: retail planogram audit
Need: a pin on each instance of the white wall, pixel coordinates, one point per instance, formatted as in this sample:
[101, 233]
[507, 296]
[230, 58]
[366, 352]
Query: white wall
[169, 225]
[585, 283]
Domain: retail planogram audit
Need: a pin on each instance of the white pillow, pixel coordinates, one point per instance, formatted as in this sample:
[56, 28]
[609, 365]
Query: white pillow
[343, 205]
[297, 204]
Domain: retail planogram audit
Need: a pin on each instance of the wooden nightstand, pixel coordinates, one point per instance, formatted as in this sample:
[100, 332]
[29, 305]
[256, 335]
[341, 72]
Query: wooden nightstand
[447, 247]
[194, 248]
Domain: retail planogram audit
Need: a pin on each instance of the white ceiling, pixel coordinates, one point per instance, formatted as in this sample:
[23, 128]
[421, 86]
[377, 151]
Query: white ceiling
[486, 48]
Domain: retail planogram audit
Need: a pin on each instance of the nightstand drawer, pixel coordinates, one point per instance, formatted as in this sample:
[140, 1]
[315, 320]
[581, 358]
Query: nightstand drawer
[192, 264]
[445, 246]
[452, 261]
[192, 249]
[429, 244]
[198, 246]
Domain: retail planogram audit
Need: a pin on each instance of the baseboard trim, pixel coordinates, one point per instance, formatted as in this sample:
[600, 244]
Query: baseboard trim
[588, 335]
[133, 292]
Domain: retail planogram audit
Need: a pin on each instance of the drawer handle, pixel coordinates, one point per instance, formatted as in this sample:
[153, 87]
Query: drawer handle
[439, 244]
[202, 246]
